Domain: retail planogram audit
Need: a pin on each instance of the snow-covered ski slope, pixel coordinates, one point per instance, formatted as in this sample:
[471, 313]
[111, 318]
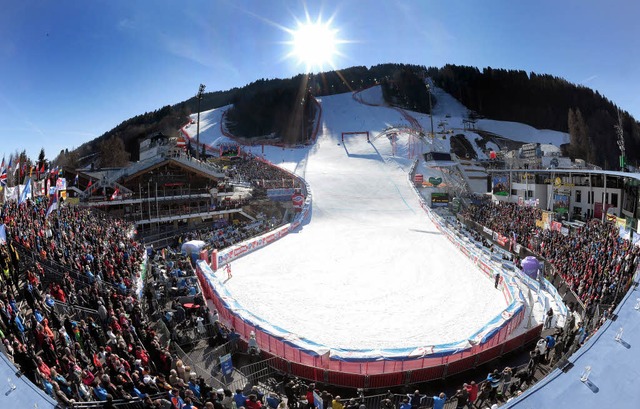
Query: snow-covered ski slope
[368, 270]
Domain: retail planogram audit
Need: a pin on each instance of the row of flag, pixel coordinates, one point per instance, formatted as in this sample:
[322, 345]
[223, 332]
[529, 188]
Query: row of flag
[21, 168]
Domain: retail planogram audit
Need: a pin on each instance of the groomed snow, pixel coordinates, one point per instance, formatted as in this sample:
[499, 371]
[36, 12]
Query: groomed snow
[368, 270]
[523, 132]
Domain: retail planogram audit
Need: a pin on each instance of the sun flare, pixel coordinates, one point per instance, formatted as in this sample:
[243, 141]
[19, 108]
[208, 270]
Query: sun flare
[314, 44]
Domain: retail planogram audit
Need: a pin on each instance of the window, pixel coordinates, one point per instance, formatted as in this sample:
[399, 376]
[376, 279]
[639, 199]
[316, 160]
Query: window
[578, 196]
[614, 199]
[514, 192]
[529, 194]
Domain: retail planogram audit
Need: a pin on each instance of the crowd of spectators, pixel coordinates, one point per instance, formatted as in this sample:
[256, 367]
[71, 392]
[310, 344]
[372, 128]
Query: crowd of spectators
[224, 234]
[595, 262]
[506, 218]
[106, 355]
[76, 257]
[261, 174]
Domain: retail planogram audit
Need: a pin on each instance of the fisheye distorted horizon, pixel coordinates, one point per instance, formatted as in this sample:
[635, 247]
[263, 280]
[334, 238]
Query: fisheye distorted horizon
[72, 72]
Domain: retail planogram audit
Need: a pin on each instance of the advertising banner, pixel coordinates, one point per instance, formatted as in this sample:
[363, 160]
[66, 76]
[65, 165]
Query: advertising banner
[500, 185]
[298, 200]
[561, 202]
[226, 365]
[439, 199]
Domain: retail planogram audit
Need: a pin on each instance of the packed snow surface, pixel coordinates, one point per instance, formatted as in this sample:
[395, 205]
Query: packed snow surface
[368, 269]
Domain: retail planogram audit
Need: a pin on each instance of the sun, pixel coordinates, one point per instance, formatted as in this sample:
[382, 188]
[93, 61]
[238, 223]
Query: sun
[314, 44]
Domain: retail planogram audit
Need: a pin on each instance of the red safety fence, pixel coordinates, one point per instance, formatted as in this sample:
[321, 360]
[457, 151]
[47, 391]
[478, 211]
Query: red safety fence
[381, 373]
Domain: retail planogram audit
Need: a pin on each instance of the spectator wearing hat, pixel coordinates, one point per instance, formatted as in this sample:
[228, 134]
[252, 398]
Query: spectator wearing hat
[336, 404]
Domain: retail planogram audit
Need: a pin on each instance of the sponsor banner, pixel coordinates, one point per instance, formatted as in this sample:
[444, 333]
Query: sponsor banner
[547, 218]
[61, 186]
[485, 267]
[226, 365]
[499, 238]
[500, 185]
[561, 202]
[297, 199]
[625, 233]
[439, 199]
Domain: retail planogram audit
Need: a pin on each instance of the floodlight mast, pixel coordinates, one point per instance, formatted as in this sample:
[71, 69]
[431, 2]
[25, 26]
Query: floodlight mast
[428, 84]
[620, 135]
[199, 97]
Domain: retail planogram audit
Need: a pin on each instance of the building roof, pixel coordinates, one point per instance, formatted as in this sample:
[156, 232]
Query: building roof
[615, 367]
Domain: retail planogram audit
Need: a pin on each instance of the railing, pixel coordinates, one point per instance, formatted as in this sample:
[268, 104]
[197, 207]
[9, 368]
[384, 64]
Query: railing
[135, 403]
[209, 374]
[75, 311]
[255, 373]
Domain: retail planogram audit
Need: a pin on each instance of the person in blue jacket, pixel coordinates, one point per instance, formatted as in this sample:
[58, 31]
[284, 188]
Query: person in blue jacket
[239, 398]
[439, 401]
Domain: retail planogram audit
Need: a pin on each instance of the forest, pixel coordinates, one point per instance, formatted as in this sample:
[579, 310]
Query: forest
[283, 110]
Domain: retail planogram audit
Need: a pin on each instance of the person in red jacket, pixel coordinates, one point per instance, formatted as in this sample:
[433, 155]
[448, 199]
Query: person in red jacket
[310, 401]
[252, 402]
[472, 388]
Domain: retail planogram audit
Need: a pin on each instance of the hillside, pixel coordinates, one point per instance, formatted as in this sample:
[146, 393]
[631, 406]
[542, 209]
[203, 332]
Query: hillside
[528, 101]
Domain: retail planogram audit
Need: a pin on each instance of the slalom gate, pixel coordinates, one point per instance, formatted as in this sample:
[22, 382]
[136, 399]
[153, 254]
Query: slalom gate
[367, 368]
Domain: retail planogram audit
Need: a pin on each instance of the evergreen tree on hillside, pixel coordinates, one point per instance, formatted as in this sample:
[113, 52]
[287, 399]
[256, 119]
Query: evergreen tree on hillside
[112, 153]
[41, 159]
[580, 148]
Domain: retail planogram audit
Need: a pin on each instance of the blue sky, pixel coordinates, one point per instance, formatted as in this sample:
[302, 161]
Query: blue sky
[72, 70]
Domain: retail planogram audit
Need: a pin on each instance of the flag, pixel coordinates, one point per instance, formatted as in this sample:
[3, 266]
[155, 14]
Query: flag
[2, 166]
[26, 192]
[116, 194]
[89, 185]
[3, 234]
[54, 204]
[3, 177]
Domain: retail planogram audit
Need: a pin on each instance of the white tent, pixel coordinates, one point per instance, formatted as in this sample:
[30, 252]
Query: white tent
[192, 247]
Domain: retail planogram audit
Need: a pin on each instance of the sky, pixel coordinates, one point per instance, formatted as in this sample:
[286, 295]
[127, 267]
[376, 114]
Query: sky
[72, 70]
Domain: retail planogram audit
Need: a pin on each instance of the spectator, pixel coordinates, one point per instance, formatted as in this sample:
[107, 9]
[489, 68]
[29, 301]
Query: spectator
[416, 399]
[405, 404]
[472, 388]
[336, 404]
[439, 401]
